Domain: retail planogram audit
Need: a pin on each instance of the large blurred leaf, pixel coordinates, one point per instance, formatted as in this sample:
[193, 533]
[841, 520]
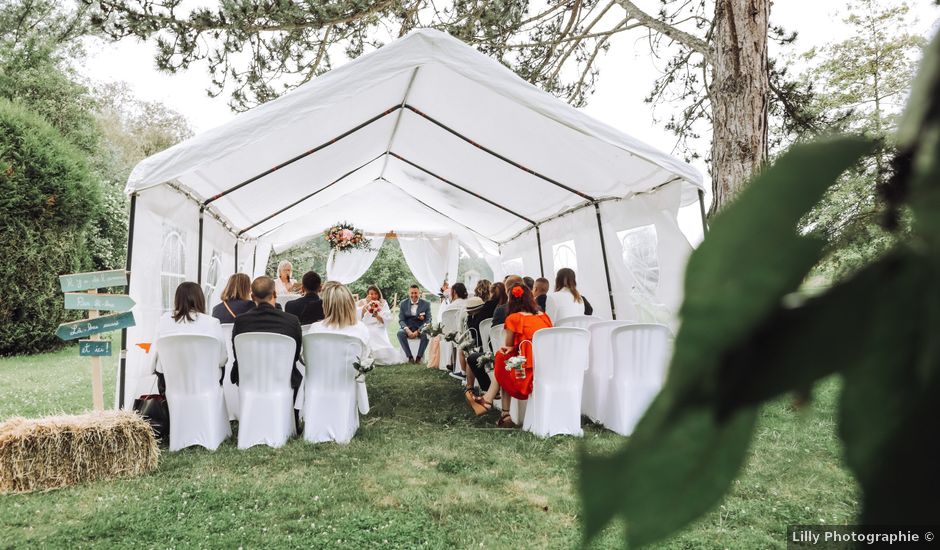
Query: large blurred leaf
[659, 484]
[796, 347]
[753, 256]
[681, 458]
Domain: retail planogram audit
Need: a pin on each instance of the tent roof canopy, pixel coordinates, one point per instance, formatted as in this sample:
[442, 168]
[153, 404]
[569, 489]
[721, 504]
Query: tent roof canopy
[423, 134]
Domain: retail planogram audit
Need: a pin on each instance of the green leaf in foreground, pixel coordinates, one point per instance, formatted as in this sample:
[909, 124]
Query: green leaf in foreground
[682, 456]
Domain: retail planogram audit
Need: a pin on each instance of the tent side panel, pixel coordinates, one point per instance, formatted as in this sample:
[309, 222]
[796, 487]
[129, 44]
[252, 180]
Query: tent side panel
[647, 254]
[573, 241]
[165, 249]
[218, 259]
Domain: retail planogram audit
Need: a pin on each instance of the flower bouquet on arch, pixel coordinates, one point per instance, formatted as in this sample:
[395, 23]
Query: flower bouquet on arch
[344, 237]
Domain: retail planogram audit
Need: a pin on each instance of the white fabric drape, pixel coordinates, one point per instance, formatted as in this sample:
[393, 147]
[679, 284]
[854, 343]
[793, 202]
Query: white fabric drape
[346, 267]
[431, 259]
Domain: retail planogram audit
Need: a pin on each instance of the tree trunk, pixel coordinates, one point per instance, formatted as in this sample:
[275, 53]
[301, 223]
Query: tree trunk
[739, 94]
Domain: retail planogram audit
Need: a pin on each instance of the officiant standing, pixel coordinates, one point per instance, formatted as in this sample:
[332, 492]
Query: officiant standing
[413, 314]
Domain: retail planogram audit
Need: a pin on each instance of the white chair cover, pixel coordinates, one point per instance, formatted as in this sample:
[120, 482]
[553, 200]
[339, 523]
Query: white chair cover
[640, 358]
[283, 299]
[450, 322]
[486, 325]
[561, 357]
[265, 362]
[197, 408]
[229, 390]
[577, 321]
[597, 377]
[498, 336]
[330, 412]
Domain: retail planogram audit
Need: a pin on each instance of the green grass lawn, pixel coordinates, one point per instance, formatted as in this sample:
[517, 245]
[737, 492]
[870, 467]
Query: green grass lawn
[422, 471]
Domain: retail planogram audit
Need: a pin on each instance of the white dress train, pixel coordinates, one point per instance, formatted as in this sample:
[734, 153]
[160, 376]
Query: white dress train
[382, 350]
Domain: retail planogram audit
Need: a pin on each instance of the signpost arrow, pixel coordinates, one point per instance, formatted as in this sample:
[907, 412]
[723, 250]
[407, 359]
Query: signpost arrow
[87, 327]
[94, 348]
[106, 302]
[92, 280]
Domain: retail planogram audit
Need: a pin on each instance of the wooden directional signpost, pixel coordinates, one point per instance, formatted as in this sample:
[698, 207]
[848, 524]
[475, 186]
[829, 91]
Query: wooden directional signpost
[87, 330]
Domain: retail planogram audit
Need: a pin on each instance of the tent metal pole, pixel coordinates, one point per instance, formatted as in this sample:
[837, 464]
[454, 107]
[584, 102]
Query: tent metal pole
[610, 288]
[538, 240]
[404, 101]
[235, 270]
[497, 155]
[302, 199]
[202, 210]
[464, 189]
[429, 207]
[701, 207]
[300, 156]
[254, 259]
[122, 369]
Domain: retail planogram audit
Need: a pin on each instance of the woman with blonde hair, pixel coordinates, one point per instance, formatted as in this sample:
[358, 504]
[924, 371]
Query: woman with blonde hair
[236, 299]
[283, 283]
[339, 313]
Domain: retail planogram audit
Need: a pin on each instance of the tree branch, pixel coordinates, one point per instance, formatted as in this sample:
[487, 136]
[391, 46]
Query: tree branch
[666, 29]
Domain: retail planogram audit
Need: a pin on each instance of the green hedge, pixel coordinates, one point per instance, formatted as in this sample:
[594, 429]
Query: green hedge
[47, 197]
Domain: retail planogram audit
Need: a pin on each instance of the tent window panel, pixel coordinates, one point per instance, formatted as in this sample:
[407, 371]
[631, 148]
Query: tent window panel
[642, 261]
[212, 277]
[564, 255]
[513, 266]
[172, 267]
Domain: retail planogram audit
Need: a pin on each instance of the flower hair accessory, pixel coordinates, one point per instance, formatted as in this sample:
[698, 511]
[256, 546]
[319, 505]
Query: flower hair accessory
[517, 291]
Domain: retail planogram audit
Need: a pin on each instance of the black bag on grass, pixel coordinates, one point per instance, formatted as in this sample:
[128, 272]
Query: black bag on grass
[154, 409]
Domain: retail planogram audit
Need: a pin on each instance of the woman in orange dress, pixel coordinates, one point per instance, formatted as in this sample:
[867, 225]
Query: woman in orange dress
[523, 320]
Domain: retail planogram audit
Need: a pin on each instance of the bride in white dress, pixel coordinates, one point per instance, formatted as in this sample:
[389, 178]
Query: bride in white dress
[375, 314]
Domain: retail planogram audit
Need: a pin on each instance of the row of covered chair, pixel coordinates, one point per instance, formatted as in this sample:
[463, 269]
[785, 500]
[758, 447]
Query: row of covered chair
[263, 402]
[608, 371]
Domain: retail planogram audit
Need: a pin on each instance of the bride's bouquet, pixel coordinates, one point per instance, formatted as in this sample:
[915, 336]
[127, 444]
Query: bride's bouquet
[374, 307]
[517, 363]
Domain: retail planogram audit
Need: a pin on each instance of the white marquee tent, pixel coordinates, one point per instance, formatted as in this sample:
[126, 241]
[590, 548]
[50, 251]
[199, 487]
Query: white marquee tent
[430, 139]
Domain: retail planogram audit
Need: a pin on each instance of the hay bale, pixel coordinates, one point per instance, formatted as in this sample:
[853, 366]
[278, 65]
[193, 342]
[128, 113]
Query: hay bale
[58, 451]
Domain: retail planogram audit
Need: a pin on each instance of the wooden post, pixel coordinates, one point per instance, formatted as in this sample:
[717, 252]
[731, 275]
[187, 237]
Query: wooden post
[97, 385]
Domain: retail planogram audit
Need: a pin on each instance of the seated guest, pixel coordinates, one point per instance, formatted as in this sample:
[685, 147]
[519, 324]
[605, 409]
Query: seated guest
[523, 320]
[375, 315]
[188, 317]
[458, 301]
[308, 308]
[540, 291]
[529, 282]
[483, 309]
[340, 317]
[413, 314]
[566, 301]
[266, 318]
[499, 314]
[236, 299]
[458, 297]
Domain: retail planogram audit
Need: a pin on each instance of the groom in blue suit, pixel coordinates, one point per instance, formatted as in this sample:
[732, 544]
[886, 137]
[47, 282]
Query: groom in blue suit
[413, 313]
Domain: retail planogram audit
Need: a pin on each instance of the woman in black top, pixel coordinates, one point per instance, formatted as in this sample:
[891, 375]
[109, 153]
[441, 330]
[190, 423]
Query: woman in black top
[236, 299]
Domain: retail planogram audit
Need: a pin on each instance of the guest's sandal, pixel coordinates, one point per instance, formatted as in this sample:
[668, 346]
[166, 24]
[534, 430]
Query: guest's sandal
[505, 421]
